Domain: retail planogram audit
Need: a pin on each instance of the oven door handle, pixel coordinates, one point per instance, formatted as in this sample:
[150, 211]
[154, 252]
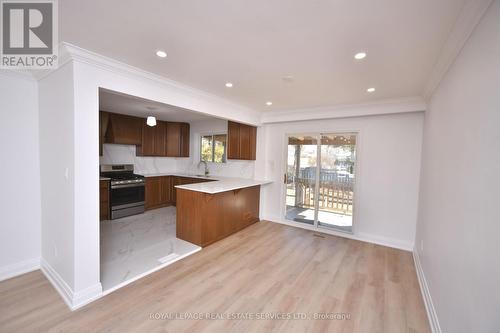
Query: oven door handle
[126, 185]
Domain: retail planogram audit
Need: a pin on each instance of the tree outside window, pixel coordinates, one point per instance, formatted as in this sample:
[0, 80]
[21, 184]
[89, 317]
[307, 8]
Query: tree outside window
[213, 148]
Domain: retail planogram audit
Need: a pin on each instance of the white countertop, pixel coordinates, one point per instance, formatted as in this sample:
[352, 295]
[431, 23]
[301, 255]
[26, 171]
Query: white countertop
[217, 184]
[222, 184]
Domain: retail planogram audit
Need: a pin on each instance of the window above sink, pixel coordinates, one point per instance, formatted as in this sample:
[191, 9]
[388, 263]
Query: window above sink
[213, 148]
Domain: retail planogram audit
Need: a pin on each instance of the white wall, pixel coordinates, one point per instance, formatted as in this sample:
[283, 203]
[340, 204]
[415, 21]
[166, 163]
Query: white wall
[20, 195]
[57, 169]
[388, 173]
[459, 217]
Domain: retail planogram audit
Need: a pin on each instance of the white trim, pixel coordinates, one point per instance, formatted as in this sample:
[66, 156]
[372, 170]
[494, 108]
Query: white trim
[19, 268]
[388, 106]
[471, 14]
[57, 282]
[363, 237]
[69, 52]
[426, 295]
[73, 300]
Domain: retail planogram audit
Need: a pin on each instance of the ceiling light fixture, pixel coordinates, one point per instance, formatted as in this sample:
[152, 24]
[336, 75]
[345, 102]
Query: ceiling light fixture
[229, 84]
[161, 54]
[269, 103]
[360, 55]
[151, 121]
[370, 90]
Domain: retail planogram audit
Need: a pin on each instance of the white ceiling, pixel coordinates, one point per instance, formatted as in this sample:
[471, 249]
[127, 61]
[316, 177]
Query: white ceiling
[112, 101]
[254, 44]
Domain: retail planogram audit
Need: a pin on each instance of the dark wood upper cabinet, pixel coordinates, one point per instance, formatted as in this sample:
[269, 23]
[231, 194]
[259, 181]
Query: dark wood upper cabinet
[253, 143]
[147, 147]
[170, 139]
[103, 127]
[153, 140]
[184, 140]
[161, 139]
[242, 141]
[233, 140]
[122, 129]
[173, 139]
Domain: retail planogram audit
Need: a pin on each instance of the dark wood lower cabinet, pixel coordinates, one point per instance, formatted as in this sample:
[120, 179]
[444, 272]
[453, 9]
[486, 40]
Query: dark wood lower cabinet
[160, 191]
[104, 199]
[178, 180]
[204, 218]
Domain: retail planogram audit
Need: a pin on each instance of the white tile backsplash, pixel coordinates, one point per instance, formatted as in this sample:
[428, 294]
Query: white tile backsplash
[125, 154]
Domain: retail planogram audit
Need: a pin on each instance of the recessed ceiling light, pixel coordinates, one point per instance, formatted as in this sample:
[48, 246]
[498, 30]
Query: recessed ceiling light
[269, 103]
[161, 54]
[360, 55]
[370, 90]
[229, 84]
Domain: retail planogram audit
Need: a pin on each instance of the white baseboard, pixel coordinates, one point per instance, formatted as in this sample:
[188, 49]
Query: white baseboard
[73, 300]
[13, 270]
[424, 288]
[389, 242]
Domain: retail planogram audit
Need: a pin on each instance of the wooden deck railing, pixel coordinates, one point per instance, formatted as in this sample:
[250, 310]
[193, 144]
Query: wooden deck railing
[334, 196]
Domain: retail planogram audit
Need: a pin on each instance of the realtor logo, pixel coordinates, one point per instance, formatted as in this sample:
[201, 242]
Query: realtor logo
[29, 38]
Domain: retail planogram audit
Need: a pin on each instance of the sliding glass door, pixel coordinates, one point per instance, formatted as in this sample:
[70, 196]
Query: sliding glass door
[301, 178]
[320, 177]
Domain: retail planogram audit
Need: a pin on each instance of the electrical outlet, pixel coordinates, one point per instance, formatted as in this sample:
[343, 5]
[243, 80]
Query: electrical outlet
[55, 251]
[421, 245]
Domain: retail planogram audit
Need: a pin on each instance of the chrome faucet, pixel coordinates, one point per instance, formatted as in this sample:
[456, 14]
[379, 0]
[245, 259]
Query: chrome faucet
[206, 167]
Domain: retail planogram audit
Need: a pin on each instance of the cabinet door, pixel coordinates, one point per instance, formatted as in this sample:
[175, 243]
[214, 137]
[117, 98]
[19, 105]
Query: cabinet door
[152, 192]
[184, 140]
[165, 190]
[173, 139]
[147, 147]
[244, 142]
[160, 139]
[104, 199]
[173, 194]
[103, 126]
[253, 142]
[233, 140]
[231, 216]
[212, 226]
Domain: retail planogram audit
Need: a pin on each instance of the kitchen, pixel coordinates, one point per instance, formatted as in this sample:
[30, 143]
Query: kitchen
[171, 182]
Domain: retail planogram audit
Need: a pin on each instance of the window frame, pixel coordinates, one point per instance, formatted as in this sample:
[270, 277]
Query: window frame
[212, 134]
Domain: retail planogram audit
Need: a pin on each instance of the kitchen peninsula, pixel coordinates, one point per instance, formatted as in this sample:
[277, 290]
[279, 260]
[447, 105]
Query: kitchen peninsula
[210, 211]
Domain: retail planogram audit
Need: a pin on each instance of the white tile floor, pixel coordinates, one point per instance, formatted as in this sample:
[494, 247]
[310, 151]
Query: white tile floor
[134, 246]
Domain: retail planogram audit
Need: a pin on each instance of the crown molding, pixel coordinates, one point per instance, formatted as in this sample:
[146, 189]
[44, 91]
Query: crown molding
[388, 106]
[471, 14]
[69, 52]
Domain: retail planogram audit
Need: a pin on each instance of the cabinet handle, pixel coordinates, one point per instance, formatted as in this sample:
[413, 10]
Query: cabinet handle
[284, 178]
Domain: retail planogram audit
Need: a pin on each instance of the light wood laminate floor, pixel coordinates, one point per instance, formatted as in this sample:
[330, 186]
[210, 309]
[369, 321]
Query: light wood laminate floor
[267, 268]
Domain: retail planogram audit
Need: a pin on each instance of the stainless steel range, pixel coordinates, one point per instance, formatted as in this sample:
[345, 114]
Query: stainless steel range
[127, 190]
